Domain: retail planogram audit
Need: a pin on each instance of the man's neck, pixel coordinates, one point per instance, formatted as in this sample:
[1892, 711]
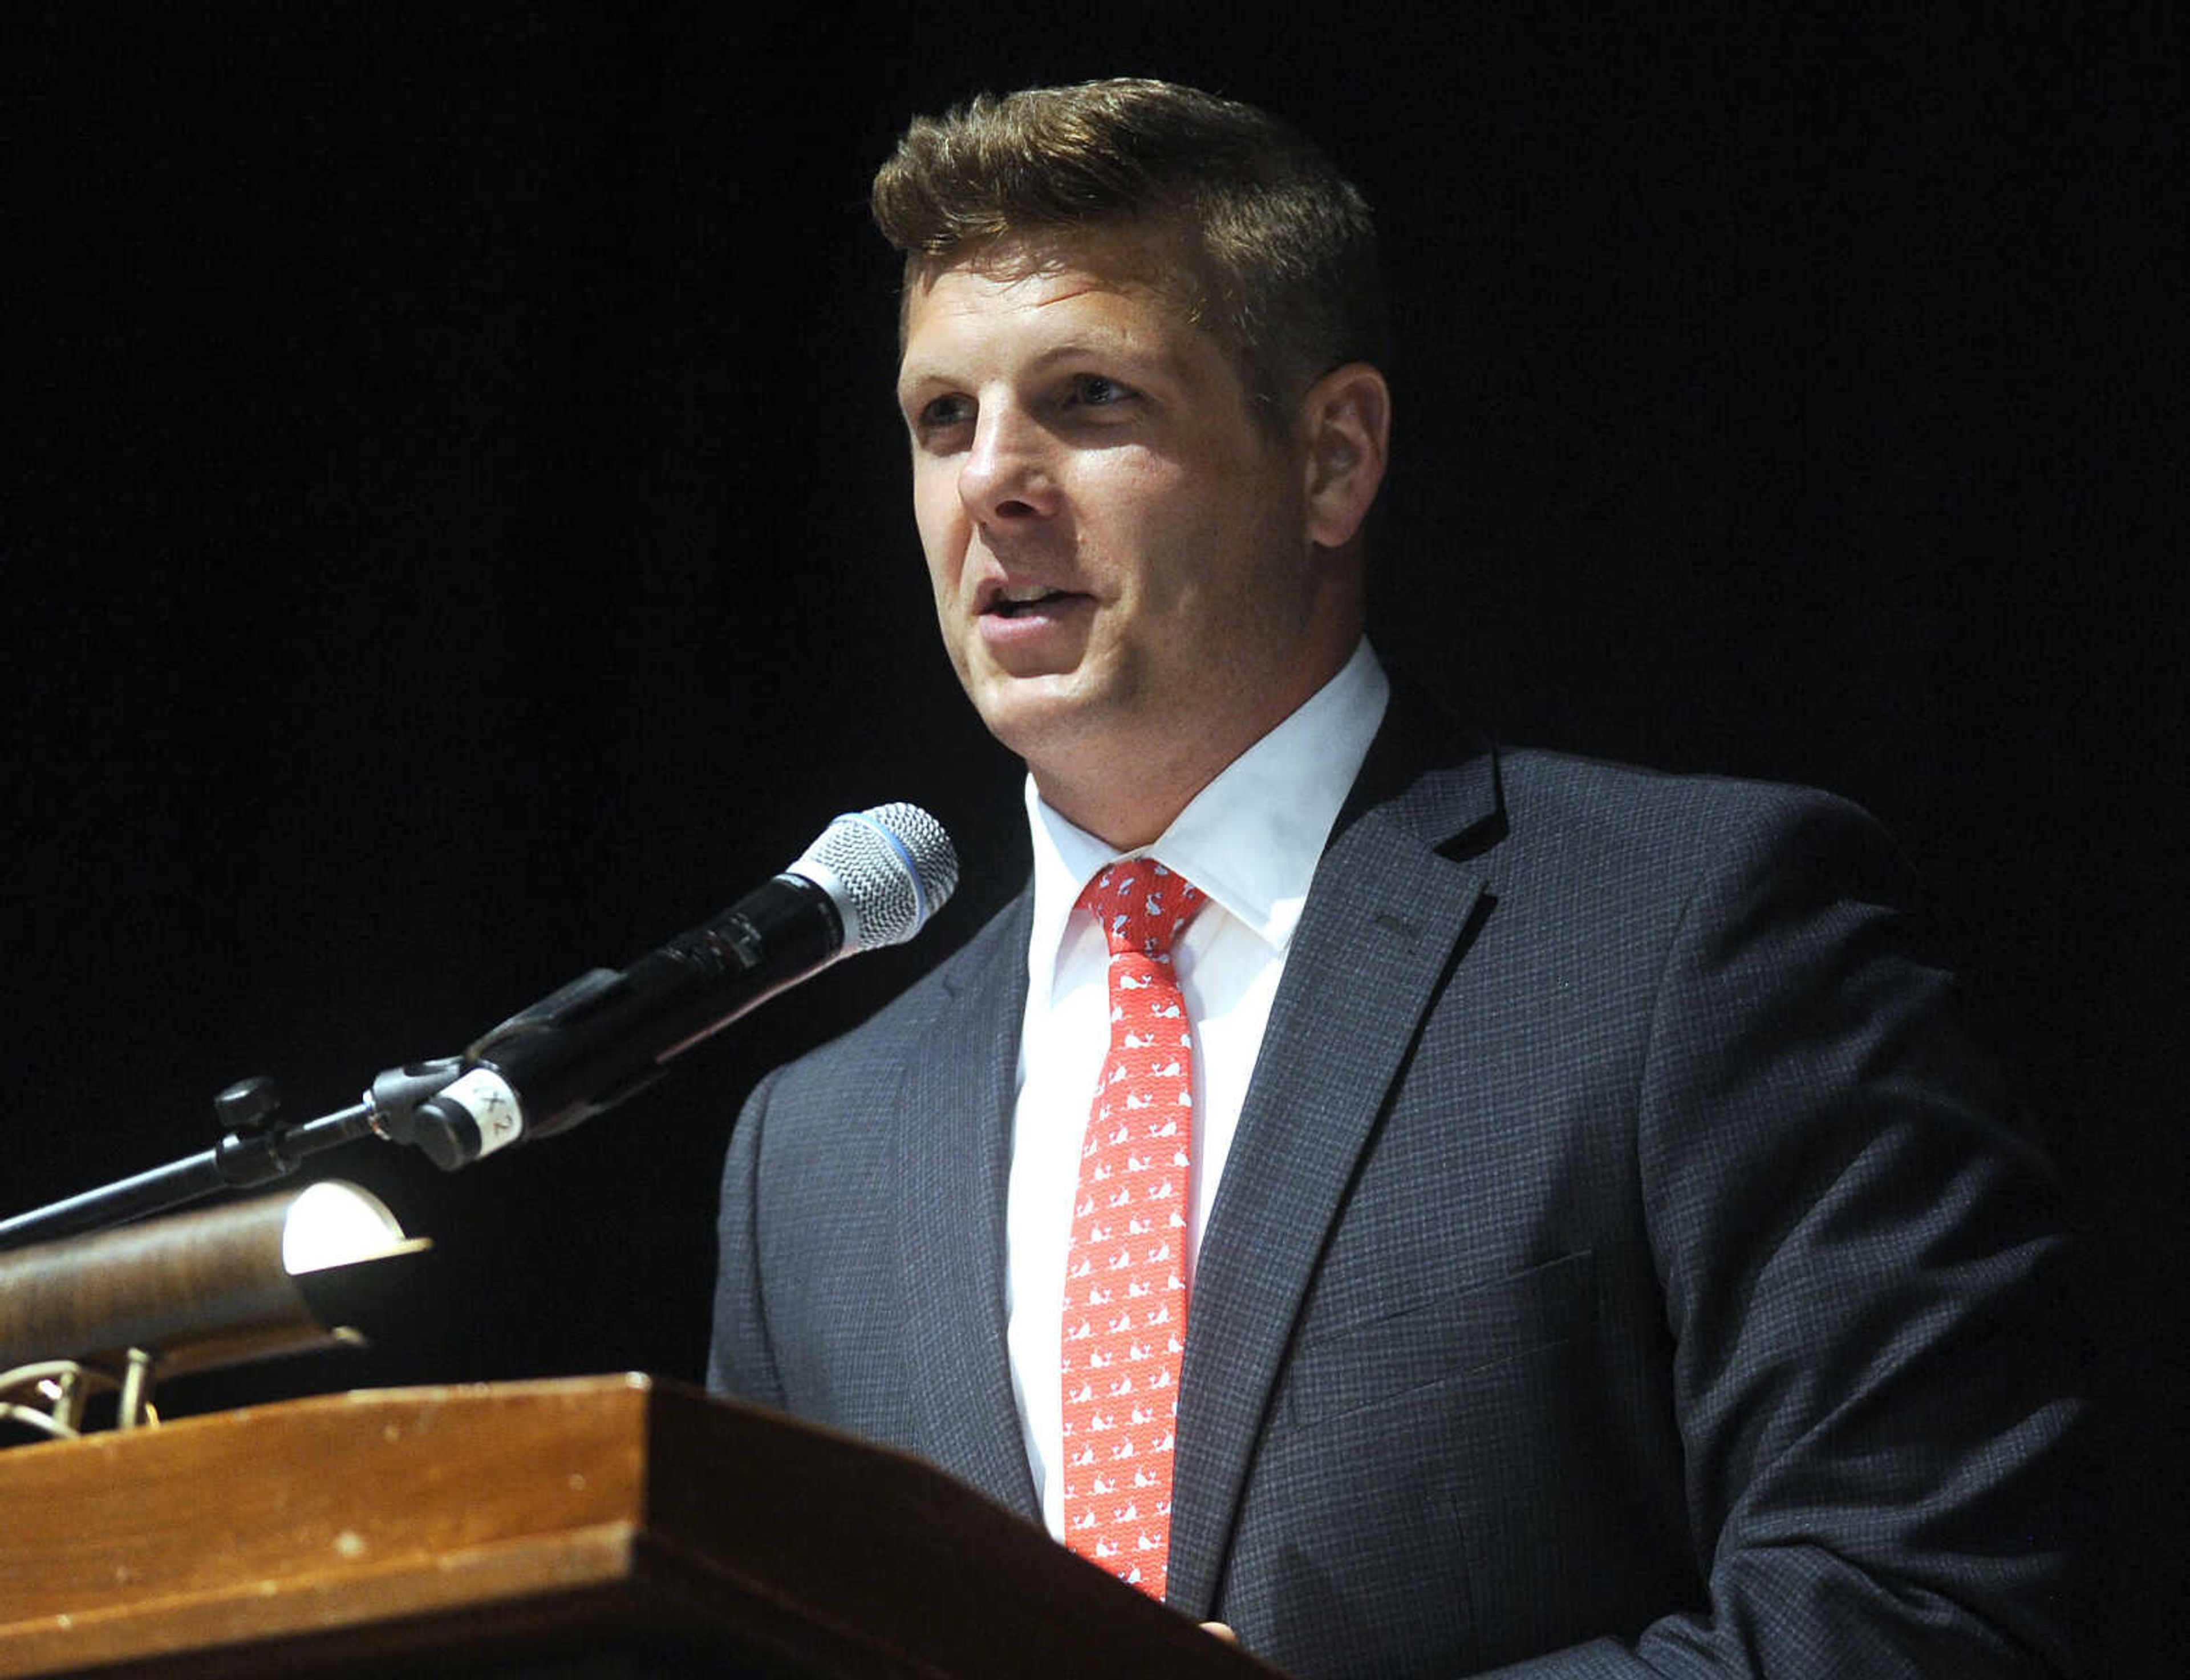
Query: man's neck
[1127, 791]
[1128, 806]
[1125, 811]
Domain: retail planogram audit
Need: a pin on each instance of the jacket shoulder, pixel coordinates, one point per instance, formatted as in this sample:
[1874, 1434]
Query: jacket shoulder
[1614, 820]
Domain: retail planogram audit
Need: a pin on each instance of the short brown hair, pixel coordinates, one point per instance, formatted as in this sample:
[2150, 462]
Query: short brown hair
[1279, 251]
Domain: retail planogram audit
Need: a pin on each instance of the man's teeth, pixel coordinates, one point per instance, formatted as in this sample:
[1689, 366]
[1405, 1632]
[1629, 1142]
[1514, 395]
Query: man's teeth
[1011, 601]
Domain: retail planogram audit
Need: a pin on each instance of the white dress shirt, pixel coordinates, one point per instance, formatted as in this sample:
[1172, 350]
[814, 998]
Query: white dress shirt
[1250, 841]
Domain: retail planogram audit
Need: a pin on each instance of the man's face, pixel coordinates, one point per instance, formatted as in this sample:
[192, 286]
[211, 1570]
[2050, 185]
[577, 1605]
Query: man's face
[1118, 549]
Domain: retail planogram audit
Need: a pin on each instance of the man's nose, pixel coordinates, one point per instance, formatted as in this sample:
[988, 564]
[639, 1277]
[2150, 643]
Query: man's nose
[1006, 476]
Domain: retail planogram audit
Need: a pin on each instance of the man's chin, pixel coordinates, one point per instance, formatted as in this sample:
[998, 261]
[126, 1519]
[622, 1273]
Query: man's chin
[1037, 716]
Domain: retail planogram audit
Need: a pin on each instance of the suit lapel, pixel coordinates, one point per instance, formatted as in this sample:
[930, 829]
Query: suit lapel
[1384, 920]
[955, 1167]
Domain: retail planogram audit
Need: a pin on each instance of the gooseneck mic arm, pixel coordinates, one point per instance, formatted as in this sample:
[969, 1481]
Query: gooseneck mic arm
[256, 1150]
[873, 878]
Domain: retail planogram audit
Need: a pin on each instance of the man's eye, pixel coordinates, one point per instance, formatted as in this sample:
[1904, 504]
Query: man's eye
[1093, 390]
[945, 412]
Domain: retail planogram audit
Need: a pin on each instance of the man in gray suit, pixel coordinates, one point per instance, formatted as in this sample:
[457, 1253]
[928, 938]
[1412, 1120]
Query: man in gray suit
[1600, 1254]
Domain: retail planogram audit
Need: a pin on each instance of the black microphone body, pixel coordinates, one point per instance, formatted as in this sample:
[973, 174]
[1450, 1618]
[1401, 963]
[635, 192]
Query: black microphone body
[870, 879]
[607, 1036]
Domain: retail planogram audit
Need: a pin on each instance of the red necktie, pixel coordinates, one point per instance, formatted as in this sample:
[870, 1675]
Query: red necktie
[1125, 1289]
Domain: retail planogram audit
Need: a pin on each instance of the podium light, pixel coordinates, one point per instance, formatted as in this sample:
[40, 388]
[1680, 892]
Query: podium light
[282, 1274]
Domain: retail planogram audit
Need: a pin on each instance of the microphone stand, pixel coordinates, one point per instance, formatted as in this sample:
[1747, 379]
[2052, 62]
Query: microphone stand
[256, 1149]
[873, 878]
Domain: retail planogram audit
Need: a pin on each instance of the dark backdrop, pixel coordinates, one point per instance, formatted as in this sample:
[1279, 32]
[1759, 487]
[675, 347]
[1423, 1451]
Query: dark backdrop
[452, 519]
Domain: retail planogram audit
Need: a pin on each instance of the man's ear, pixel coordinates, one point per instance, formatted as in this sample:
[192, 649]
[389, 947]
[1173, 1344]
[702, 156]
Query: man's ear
[1346, 433]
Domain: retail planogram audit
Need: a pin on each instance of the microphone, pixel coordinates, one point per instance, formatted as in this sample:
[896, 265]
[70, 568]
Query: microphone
[873, 878]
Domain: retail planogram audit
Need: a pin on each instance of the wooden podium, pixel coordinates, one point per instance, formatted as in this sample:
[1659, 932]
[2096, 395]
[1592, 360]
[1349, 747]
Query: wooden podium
[593, 1526]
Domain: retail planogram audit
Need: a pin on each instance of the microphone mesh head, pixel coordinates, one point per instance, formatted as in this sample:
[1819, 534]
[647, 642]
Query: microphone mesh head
[888, 869]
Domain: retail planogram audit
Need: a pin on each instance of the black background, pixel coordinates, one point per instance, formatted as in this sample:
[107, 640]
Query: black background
[452, 519]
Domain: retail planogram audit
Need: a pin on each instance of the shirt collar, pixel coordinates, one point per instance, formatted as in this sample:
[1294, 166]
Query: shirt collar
[1252, 839]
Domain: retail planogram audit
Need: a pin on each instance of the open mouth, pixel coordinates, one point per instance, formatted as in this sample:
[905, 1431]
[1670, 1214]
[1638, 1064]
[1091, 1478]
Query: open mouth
[1007, 607]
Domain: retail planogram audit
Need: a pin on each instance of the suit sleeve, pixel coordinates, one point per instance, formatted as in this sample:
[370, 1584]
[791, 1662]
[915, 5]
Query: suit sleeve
[741, 1360]
[1871, 1375]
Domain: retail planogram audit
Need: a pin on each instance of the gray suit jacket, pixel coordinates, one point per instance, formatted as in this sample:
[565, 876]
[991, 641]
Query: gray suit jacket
[1621, 1269]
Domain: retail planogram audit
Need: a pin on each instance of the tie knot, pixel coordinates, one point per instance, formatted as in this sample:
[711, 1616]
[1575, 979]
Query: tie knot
[1142, 906]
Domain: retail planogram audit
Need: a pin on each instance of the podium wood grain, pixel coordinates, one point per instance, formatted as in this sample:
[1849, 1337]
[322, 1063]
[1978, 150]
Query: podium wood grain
[597, 1525]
